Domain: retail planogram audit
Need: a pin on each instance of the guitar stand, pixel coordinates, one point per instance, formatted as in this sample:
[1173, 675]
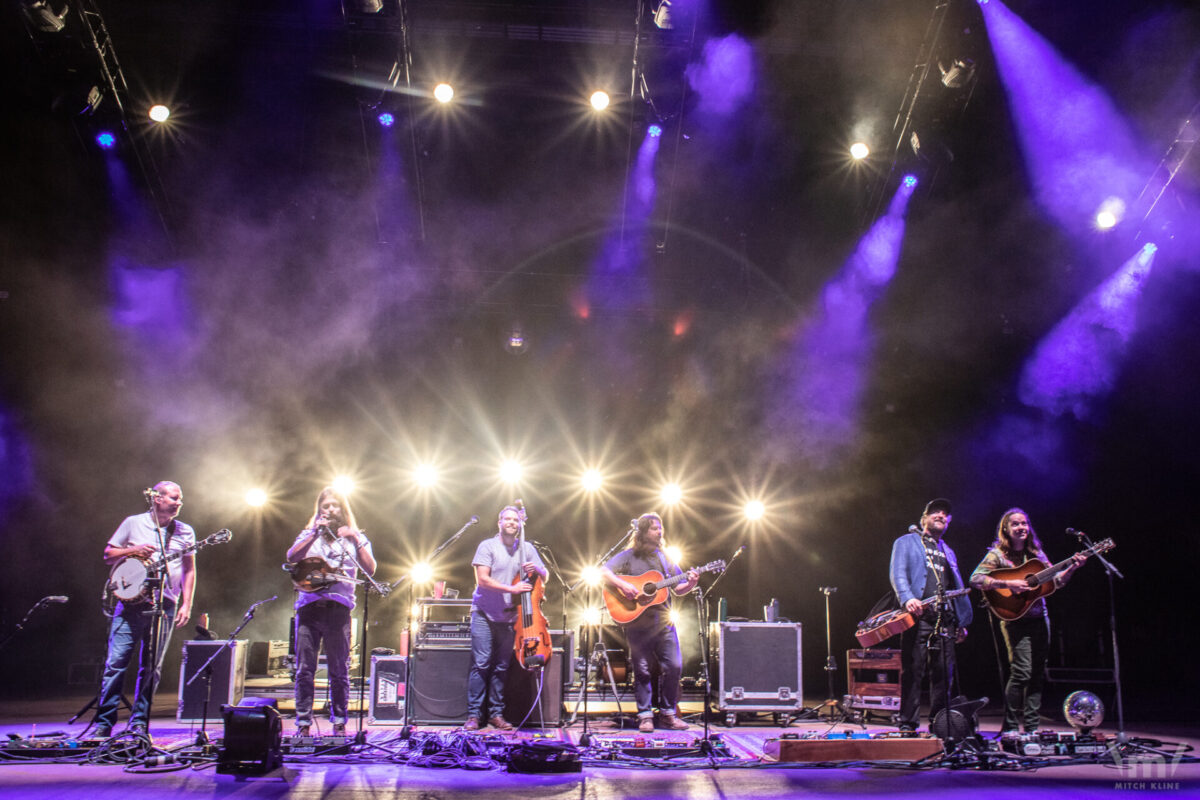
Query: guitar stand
[599, 659]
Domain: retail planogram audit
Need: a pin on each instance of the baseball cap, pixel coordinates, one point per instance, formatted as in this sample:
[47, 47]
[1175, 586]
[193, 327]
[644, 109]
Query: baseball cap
[940, 504]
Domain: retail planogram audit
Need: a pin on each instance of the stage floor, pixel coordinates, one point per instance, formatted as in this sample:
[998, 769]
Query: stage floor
[619, 764]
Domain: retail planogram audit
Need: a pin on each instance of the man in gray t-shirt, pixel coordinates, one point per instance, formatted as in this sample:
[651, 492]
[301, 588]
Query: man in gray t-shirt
[498, 562]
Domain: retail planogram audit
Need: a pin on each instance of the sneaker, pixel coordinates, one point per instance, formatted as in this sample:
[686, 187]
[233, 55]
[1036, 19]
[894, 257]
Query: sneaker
[103, 732]
[646, 725]
[339, 729]
[303, 730]
[672, 723]
[500, 723]
[472, 724]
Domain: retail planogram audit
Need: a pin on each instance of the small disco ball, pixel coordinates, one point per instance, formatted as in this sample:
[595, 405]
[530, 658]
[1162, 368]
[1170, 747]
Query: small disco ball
[1083, 710]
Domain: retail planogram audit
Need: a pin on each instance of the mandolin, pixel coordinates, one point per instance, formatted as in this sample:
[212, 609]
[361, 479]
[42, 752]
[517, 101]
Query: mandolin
[314, 574]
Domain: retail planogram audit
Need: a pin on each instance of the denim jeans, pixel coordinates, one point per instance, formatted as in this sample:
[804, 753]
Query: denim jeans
[131, 628]
[1028, 642]
[917, 658]
[651, 645]
[491, 653]
[328, 621]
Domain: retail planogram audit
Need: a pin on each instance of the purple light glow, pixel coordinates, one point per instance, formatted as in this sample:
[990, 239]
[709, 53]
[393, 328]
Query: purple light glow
[1078, 148]
[152, 303]
[819, 413]
[386, 119]
[724, 76]
[106, 140]
[1078, 361]
[16, 463]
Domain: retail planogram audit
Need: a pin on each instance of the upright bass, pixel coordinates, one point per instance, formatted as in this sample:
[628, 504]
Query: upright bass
[532, 640]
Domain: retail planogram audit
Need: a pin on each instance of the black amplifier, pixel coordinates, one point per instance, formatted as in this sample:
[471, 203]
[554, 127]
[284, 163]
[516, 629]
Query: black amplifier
[444, 634]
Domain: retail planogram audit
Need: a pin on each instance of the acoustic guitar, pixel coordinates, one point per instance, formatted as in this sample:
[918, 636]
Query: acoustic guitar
[1008, 604]
[653, 591]
[882, 627]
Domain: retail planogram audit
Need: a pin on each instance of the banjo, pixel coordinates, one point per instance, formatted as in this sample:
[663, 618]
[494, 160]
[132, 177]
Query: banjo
[132, 578]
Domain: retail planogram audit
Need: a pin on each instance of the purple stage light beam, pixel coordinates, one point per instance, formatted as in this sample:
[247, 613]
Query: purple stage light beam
[1079, 150]
[818, 417]
[1078, 361]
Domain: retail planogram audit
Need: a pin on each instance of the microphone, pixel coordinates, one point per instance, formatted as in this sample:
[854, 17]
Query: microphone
[741, 550]
[913, 529]
[261, 602]
[148, 493]
[1077, 534]
[474, 519]
[633, 522]
[55, 598]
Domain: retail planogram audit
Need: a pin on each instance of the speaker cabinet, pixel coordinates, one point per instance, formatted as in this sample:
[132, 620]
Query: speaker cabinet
[227, 681]
[437, 688]
[520, 690]
[389, 675]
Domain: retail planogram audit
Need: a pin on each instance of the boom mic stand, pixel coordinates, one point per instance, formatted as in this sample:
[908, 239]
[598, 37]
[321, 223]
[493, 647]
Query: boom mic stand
[599, 650]
[206, 670]
[706, 643]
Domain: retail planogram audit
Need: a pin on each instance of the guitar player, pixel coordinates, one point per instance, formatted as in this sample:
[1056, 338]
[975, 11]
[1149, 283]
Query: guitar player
[139, 536]
[652, 637]
[1028, 637]
[921, 563]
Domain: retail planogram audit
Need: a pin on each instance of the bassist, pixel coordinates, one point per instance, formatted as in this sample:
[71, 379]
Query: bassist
[498, 562]
[652, 637]
[1028, 637]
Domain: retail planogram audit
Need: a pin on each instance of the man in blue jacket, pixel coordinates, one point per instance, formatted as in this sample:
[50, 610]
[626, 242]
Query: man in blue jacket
[921, 564]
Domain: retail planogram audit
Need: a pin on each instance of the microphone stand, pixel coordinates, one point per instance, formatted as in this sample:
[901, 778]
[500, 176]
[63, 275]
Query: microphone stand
[552, 565]
[702, 614]
[385, 590]
[38, 606]
[156, 612]
[599, 650]
[206, 670]
[1122, 738]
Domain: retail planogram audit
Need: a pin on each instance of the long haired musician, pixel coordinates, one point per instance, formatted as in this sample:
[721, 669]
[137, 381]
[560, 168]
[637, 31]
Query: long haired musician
[144, 537]
[1027, 638]
[323, 614]
[652, 636]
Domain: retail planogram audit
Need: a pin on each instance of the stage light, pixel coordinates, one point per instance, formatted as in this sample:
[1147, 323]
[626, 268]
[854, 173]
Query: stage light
[106, 140]
[600, 100]
[590, 575]
[368, 6]
[43, 17]
[256, 498]
[386, 119]
[1112, 211]
[754, 510]
[593, 616]
[425, 475]
[671, 494]
[859, 151]
[662, 15]
[673, 616]
[443, 93]
[591, 480]
[958, 74]
[654, 131]
[159, 113]
[422, 572]
[516, 343]
[415, 610]
[674, 552]
[910, 181]
[510, 471]
[343, 484]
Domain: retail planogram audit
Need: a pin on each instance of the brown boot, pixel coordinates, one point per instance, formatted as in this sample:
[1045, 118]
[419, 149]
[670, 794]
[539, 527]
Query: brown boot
[500, 723]
[672, 723]
[472, 724]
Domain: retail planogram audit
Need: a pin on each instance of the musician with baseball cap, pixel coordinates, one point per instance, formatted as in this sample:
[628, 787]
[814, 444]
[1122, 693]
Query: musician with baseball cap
[146, 536]
[922, 565]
